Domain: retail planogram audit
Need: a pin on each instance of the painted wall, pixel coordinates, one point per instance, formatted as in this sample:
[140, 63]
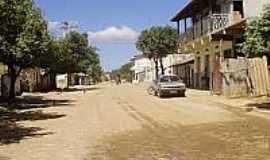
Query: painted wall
[254, 8]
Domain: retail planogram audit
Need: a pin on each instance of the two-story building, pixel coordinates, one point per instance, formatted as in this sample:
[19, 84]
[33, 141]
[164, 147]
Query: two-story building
[211, 29]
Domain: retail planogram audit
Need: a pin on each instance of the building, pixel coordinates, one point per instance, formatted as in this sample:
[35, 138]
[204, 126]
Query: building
[184, 69]
[143, 69]
[36, 80]
[211, 30]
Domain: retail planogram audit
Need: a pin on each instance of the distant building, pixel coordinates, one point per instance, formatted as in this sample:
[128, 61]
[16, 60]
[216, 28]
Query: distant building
[143, 69]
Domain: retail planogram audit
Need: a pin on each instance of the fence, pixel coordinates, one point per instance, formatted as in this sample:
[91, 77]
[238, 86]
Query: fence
[245, 77]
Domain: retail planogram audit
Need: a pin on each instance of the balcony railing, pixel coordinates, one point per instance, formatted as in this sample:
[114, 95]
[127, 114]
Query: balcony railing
[208, 24]
[218, 21]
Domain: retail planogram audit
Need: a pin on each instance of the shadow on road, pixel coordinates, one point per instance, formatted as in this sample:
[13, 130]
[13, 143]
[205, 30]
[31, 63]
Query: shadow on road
[33, 102]
[79, 89]
[263, 105]
[27, 108]
[11, 132]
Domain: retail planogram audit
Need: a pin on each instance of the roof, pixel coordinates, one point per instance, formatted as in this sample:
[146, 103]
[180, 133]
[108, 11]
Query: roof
[186, 60]
[186, 10]
[137, 57]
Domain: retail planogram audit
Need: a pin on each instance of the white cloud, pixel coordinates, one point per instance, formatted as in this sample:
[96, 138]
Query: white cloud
[113, 34]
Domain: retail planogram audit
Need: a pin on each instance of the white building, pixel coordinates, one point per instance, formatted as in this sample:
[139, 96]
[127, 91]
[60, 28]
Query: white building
[142, 69]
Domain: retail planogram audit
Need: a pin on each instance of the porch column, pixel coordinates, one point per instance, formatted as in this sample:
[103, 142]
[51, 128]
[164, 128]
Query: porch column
[178, 27]
[185, 25]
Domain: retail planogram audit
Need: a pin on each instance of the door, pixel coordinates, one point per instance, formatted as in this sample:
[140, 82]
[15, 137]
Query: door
[217, 76]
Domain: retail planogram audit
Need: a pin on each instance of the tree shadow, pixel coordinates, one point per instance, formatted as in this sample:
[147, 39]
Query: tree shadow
[263, 105]
[4, 158]
[11, 132]
[26, 108]
[79, 89]
[15, 116]
[33, 102]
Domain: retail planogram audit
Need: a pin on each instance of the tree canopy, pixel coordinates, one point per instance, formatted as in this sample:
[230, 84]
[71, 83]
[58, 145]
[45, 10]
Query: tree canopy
[124, 72]
[72, 54]
[157, 42]
[257, 39]
[26, 42]
[24, 37]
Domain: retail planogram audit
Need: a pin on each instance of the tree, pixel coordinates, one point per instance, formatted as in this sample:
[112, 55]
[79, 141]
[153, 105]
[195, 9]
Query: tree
[95, 70]
[158, 42]
[70, 51]
[257, 39]
[74, 55]
[124, 71]
[24, 37]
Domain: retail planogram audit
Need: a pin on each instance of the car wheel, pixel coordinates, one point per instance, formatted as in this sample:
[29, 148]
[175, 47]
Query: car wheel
[182, 94]
[159, 94]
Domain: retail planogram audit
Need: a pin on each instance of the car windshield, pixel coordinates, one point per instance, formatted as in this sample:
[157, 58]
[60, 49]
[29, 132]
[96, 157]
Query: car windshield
[169, 79]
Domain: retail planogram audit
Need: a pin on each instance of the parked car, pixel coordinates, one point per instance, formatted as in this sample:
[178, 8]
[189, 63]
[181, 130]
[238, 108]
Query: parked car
[168, 85]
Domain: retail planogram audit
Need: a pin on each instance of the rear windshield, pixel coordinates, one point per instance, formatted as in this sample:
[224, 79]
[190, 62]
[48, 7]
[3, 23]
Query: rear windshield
[169, 79]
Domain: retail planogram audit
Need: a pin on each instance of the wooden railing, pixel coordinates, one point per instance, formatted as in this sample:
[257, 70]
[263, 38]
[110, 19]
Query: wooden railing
[207, 25]
[218, 21]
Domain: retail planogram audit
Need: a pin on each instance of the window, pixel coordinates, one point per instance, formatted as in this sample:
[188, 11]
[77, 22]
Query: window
[238, 7]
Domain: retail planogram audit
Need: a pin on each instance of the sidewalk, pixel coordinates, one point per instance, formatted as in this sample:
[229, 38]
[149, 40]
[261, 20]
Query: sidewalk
[248, 104]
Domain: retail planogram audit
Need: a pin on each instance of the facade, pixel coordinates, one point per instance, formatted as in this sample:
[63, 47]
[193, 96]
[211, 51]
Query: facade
[36, 79]
[143, 70]
[185, 70]
[211, 30]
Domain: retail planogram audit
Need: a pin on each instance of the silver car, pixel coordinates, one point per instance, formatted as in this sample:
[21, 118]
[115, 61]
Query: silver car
[169, 85]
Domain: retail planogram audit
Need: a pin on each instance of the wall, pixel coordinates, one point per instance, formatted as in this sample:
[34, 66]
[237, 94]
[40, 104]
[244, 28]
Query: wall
[143, 70]
[254, 8]
[245, 77]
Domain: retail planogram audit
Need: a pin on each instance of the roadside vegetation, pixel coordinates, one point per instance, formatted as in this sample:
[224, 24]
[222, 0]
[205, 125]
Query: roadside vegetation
[25, 42]
[257, 36]
[124, 72]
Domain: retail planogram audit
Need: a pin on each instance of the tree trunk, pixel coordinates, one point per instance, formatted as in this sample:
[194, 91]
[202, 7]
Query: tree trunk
[13, 76]
[156, 66]
[161, 66]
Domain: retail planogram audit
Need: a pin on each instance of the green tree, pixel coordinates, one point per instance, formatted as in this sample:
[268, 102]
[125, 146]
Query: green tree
[257, 39]
[95, 70]
[74, 55]
[158, 42]
[124, 72]
[24, 37]
[71, 50]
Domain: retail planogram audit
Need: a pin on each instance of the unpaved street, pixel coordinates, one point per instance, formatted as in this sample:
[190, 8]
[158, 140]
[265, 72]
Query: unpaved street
[125, 123]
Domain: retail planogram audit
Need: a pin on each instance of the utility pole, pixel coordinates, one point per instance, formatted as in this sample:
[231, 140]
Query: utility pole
[67, 27]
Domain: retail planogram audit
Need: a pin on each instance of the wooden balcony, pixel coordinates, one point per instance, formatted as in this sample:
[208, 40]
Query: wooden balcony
[208, 25]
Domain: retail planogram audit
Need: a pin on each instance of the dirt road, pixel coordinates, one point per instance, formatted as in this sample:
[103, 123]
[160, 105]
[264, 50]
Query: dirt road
[124, 123]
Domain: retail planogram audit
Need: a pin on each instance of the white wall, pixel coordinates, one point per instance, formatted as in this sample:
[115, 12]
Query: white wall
[143, 66]
[254, 8]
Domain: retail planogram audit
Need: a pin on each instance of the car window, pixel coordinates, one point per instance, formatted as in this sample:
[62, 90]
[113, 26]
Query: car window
[169, 79]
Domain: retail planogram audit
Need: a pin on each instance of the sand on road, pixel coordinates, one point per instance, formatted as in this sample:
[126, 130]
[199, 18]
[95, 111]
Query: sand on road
[125, 123]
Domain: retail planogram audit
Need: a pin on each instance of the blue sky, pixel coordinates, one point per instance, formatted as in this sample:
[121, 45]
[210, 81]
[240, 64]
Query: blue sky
[113, 25]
